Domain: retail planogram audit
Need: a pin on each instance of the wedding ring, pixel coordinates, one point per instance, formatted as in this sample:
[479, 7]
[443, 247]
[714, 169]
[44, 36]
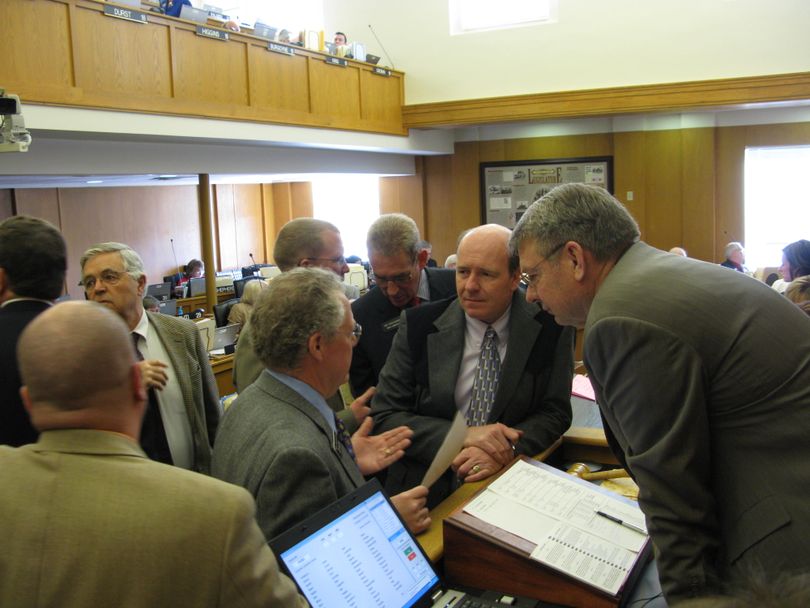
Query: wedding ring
[387, 451]
[475, 468]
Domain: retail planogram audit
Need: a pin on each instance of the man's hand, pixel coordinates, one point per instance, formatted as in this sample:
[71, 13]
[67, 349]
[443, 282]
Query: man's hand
[412, 507]
[497, 440]
[474, 464]
[153, 373]
[376, 452]
[360, 407]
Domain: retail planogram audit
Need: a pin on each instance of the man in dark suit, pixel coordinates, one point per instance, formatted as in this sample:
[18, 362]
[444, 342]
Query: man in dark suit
[703, 379]
[33, 261]
[439, 363]
[402, 281]
[279, 439]
[184, 409]
[84, 498]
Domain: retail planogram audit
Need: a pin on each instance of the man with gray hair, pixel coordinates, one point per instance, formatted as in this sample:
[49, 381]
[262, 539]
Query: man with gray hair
[183, 412]
[86, 519]
[402, 281]
[279, 439]
[703, 380]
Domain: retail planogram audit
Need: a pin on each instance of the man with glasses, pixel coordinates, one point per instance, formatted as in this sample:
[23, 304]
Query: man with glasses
[402, 281]
[183, 409]
[279, 439]
[501, 362]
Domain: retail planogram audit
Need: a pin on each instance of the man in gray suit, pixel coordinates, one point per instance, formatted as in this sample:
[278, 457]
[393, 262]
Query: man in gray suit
[437, 367]
[183, 410]
[279, 439]
[703, 378]
[86, 519]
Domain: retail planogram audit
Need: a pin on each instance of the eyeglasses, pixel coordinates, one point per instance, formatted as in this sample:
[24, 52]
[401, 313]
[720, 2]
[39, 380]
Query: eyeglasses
[357, 331]
[400, 279]
[529, 279]
[108, 277]
[338, 260]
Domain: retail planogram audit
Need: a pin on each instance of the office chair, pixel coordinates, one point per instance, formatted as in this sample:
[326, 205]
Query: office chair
[221, 311]
[239, 285]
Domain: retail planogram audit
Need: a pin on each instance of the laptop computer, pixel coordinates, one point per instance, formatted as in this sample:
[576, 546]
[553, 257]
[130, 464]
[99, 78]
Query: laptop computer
[196, 287]
[264, 31]
[168, 307]
[358, 552]
[373, 59]
[223, 338]
[190, 13]
[160, 291]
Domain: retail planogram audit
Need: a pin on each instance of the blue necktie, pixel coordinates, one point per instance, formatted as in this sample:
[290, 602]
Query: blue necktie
[485, 384]
[344, 437]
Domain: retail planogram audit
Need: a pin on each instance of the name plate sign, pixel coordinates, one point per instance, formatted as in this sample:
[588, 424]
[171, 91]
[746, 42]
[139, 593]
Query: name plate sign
[381, 71]
[125, 13]
[209, 32]
[280, 48]
[336, 61]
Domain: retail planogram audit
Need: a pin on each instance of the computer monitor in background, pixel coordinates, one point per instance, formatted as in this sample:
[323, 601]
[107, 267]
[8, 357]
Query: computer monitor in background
[160, 291]
[168, 307]
[356, 276]
[196, 286]
[206, 326]
[197, 15]
[239, 285]
[262, 30]
[268, 272]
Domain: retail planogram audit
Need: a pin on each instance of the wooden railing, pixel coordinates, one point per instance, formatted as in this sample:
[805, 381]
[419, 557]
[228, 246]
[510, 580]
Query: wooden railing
[69, 53]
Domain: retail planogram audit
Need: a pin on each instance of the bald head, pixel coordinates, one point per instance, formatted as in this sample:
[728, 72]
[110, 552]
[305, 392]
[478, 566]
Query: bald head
[75, 358]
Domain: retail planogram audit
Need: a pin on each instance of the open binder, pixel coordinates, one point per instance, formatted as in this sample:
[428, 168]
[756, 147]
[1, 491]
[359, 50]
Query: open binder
[538, 532]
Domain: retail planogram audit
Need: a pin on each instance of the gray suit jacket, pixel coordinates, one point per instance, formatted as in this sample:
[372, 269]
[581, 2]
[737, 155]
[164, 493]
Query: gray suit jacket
[417, 390]
[78, 503]
[703, 376]
[188, 356]
[278, 446]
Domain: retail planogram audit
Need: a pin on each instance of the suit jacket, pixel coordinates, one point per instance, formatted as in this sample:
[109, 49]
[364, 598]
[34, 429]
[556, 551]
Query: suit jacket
[247, 368]
[418, 382]
[15, 425]
[703, 377]
[275, 444]
[189, 358]
[88, 520]
[380, 319]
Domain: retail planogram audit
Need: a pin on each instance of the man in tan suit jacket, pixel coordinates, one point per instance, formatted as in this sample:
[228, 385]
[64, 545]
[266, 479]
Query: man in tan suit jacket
[86, 519]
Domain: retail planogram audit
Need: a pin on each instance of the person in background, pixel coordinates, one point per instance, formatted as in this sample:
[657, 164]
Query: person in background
[702, 377]
[426, 246]
[183, 411]
[798, 292]
[151, 304]
[679, 251]
[734, 257]
[33, 261]
[193, 270]
[795, 260]
[451, 261]
[240, 312]
[172, 8]
[340, 39]
[85, 497]
[279, 439]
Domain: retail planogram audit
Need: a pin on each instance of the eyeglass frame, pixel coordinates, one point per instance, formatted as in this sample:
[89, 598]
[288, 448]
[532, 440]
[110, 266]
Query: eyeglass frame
[526, 279]
[357, 331]
[400, 280]
[109, 281]
[338, 260]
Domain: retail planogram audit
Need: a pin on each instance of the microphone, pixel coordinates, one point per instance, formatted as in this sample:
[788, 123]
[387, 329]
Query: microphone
[252, 259]
[387, 56]
[174, 253]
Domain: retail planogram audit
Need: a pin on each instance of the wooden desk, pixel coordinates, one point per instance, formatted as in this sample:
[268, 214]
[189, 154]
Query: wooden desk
[432, 539]
[223, 372]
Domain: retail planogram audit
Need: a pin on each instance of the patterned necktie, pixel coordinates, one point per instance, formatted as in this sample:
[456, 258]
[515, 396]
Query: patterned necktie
[344, 437]
[153, 435]
[485, 383]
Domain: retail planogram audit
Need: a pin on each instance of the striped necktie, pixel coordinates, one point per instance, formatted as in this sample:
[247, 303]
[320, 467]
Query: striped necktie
[486, 379]
[344, 437]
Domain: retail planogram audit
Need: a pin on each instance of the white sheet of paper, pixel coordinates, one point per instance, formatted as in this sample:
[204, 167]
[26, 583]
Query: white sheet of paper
[449, 449]
[515, 518]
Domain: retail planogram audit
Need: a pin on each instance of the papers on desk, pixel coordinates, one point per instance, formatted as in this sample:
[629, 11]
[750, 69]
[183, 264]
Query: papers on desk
[582, 387]
[451, 446]
[560, 516]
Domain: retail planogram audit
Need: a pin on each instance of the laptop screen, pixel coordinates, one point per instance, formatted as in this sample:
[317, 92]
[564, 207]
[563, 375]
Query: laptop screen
[357, 552]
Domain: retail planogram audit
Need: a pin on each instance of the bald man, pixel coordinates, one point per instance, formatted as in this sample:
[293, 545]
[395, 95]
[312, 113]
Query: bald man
[502, 362]
[86, 518]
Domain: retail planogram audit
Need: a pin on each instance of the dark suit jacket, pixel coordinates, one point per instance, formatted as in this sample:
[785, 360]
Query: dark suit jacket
[380, 319]
[15, 425]
[418, 382]
[189, 358]
[80, 502]
[703, 376]
[275, 444]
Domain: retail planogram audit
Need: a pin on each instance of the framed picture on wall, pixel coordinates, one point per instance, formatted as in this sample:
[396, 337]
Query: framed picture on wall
[509, 187]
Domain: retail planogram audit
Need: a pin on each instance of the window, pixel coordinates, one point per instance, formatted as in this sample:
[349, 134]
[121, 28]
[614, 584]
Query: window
[350, 202]
[467, 16]
[292, 16]
[777, 202]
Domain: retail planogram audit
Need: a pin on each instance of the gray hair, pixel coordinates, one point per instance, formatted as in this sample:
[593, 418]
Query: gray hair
[298, 239]
[392, 234]
[296, 305]
[587, 215]
[252, 291]
[731, 248]
[133, 264]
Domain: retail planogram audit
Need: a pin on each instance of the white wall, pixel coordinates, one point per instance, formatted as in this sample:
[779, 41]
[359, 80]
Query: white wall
[594, 44]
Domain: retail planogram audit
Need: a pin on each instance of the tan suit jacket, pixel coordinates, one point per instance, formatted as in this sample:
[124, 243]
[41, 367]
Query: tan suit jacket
[87, 520]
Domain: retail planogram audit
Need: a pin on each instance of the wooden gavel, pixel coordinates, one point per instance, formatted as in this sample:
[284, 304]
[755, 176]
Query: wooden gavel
[581, 470]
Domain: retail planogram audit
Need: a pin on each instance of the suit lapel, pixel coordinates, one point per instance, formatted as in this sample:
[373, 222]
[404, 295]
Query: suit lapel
[173, 342]
[445, 349]
[523, 333]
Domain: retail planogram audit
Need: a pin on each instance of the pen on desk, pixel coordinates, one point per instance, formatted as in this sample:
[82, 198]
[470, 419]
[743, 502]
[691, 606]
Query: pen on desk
[621, 522]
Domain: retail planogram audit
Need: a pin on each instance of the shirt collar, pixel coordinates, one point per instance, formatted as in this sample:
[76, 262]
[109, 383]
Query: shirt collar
[423, 292]
[479, 327]
[142, 328]
[25, 299]
[312, 396]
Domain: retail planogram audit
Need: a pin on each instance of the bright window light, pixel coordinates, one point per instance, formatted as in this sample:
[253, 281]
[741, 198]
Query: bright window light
[777, 202]
[350, 202]
[468, 16]
[292, 16]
